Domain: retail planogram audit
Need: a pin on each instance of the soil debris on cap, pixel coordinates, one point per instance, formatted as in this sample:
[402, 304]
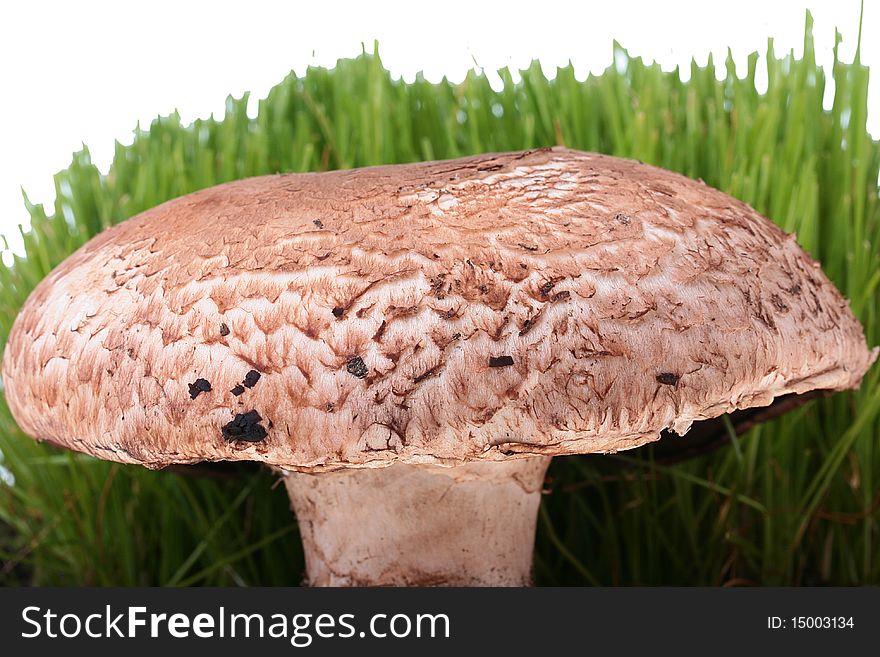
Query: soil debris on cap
[546, 287]
[500, 361]
[246, 427]
[668, 378]
[224, 330]
[250, 379]
[565, 295]
[198, 387]
[237, 390]
[357, 367]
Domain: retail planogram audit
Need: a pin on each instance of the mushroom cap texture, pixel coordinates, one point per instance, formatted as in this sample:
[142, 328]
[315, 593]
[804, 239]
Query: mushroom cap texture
[541, 302]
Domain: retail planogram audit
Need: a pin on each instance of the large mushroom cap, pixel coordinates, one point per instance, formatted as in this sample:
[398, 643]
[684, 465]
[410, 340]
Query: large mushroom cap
[543, 302]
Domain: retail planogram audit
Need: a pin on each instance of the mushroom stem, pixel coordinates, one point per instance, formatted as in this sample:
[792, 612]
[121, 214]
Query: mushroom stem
[420, 525]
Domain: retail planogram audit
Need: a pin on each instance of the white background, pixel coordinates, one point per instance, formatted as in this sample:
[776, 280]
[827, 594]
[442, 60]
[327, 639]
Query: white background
[87, 72]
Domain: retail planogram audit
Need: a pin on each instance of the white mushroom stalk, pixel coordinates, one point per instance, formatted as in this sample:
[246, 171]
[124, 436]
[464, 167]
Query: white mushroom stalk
[420, 525]
[366, 327]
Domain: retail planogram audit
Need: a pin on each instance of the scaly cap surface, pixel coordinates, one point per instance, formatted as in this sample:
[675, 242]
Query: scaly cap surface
[543, 302]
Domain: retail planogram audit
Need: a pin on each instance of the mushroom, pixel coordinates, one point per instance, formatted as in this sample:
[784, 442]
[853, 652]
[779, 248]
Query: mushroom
[410, 345]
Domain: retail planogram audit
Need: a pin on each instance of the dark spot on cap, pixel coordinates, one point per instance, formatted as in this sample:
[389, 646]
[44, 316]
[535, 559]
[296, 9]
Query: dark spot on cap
[337, 311]
[527, 247]
[425, 375]
[779, 304]
[245, 426]
[237, 390]
[251, 378]
[668, 378]
[526, 326]
[564, 295]
[357, 367]
[622, 218]
[439, 287]
[224, 330]
[318, 223]
[198, 387]
[546, 287]
[330, 407]
[500, 361]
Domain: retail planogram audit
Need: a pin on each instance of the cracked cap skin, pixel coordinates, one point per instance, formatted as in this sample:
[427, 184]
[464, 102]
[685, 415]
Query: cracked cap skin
[541, 302]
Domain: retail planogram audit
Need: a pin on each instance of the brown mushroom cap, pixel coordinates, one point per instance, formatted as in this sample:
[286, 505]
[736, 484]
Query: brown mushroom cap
[543, 302]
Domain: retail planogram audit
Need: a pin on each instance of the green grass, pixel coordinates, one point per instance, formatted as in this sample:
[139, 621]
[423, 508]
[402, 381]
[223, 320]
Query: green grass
[792, 502]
